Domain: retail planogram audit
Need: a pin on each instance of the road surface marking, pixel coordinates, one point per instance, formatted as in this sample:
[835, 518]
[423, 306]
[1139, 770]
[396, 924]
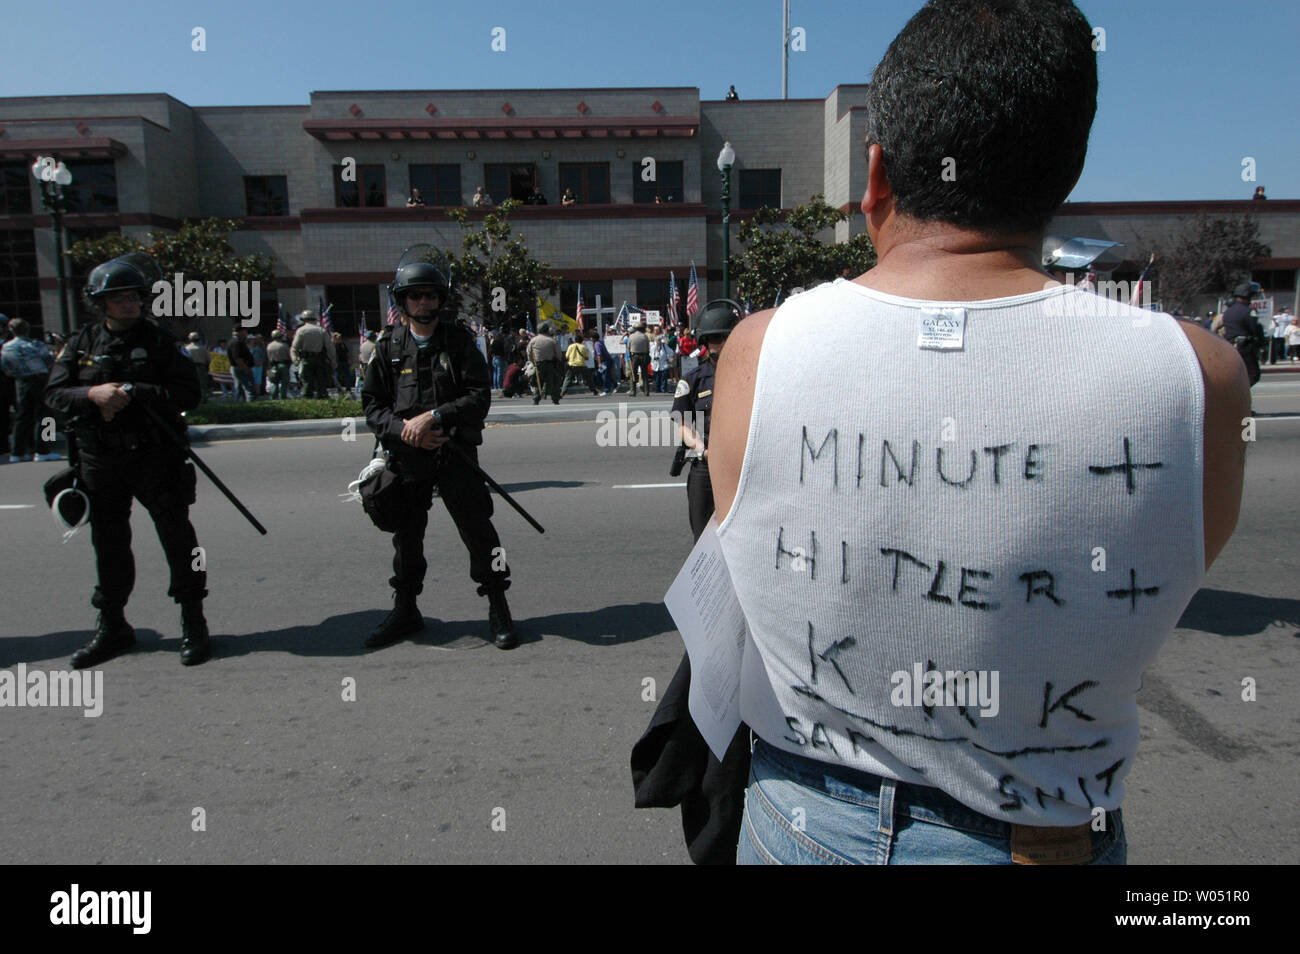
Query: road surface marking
[643, 486]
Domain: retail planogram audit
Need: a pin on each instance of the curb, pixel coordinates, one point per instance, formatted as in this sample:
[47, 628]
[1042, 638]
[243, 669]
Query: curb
[503, 413]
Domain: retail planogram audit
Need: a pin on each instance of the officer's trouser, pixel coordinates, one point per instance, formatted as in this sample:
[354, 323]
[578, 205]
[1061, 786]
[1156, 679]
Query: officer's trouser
[641, 369]
[164, 482]
[699, 496]
[466, 498]
[1249, 351]
[315, 375]
[551, 372]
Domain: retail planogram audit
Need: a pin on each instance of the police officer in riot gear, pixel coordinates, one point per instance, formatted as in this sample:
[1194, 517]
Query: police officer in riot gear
[426, 385]
[1241, 327]
[103, 378]
[693, 403]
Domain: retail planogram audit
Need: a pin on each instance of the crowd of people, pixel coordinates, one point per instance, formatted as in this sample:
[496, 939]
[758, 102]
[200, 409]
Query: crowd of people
[550, 363]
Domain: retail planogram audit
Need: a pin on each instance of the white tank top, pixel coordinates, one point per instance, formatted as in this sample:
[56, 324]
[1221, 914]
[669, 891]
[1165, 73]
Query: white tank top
[1019, 499]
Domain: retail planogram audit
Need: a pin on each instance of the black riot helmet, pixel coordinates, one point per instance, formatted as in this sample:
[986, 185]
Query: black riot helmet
[414, 269]
[133, 271]
[717, 318]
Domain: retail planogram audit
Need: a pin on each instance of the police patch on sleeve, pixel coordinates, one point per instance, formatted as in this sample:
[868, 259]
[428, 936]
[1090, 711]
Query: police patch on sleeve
[683, 389]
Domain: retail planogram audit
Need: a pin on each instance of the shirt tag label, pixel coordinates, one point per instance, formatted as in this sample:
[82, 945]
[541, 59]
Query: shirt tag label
[942, 330]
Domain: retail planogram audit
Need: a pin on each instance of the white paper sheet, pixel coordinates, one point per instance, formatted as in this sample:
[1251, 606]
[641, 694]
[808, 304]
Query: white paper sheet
[705, 608]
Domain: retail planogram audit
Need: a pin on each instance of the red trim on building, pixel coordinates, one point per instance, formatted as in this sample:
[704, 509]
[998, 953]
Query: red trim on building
[1181, 207]
[88, 147]
[639, 210]
[662, 127]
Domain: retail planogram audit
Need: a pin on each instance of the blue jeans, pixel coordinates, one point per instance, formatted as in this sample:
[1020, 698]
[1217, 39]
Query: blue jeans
[498, 372]
[799, 811]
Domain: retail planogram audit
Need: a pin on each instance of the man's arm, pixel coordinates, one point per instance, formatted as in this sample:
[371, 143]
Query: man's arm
[1227, 404]
[181, 389]
[62, 392]
[471, 408]
[733, 400]
[377, 398]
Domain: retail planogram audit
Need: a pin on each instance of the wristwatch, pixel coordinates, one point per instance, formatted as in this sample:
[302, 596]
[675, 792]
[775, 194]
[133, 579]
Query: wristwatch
[436, 417]
[128, 387]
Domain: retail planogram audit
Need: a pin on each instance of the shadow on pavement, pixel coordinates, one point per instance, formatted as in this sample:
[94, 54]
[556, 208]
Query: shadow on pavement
[343, 635]
[539, 484]
[1227, 613]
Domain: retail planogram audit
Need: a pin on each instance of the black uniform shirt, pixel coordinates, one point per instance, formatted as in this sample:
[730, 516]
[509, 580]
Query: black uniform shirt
[145, 354]
[693, 399]
[403, 380]
[1239, 323]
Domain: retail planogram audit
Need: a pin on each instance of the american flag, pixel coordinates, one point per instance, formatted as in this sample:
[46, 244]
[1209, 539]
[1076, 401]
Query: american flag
[578, 315]
[1136, 301]
[280, 324]
[325, 322]
[674, 300]
[622, 323]
[361, 333]
[693, 294]
[394, 316]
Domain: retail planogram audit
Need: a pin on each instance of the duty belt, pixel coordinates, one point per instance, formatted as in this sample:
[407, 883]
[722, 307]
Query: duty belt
[92, 441]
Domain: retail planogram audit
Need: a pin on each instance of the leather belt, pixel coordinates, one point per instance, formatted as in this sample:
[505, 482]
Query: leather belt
[1071, 845]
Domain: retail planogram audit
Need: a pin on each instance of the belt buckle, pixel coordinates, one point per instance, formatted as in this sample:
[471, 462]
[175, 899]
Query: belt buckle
[1032, 845]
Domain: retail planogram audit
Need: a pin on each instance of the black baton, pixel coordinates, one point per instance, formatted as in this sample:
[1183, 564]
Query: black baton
[493, 484]
[189, 452]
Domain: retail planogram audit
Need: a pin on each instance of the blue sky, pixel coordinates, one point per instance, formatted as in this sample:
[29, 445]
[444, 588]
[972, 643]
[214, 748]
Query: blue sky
[1188, 87]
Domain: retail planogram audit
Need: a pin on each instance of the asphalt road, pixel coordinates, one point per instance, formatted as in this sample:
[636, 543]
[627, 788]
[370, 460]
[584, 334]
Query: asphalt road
[447, 734]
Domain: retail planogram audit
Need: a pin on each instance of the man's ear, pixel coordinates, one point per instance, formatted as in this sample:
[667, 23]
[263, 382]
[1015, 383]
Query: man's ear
[878, 188]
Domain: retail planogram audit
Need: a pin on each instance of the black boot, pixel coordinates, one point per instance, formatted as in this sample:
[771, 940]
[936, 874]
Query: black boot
[113, 636]
[499, 621]
[195, 645]
[403, 620]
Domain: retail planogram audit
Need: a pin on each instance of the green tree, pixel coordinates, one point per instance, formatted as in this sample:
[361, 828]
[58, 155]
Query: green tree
[200, 249]
[1207, 256]
[782, 252]
[492, 260]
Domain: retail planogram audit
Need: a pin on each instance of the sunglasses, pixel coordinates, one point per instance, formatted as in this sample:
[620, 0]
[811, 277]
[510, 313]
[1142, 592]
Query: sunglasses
[421, 296]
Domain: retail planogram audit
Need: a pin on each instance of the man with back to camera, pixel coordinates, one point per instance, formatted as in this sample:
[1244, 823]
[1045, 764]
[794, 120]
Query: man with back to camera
[427, 384]
[957, 495]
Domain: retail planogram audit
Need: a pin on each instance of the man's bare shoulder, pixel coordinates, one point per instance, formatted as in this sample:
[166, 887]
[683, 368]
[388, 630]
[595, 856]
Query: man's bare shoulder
[733, 404]
[1221, 367]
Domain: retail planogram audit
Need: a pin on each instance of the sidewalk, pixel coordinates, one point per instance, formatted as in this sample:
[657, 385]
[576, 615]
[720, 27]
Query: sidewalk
[519, 410]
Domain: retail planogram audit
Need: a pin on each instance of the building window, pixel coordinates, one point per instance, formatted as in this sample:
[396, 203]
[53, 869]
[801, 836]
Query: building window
[1274, 279]
[370, 188]
[15, 189]
[588, 180]
[20, 292]
[652, 295]
[760, 189]
[350, 303]
[94, 186]
[509, 180]
[438, 185]
[569, 300]
[667, 184]
[266, 195]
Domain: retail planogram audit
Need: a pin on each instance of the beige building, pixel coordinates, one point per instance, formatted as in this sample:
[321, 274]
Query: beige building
[324, 187]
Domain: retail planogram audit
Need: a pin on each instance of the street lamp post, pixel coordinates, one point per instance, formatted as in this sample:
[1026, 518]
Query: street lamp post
[53, 175]
[726, 159]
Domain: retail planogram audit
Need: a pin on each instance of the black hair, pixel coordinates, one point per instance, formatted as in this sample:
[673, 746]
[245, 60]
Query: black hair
[983, 108]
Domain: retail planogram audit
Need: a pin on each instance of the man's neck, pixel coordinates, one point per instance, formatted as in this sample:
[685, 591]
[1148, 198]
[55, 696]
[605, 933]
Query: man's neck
[946, 263]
